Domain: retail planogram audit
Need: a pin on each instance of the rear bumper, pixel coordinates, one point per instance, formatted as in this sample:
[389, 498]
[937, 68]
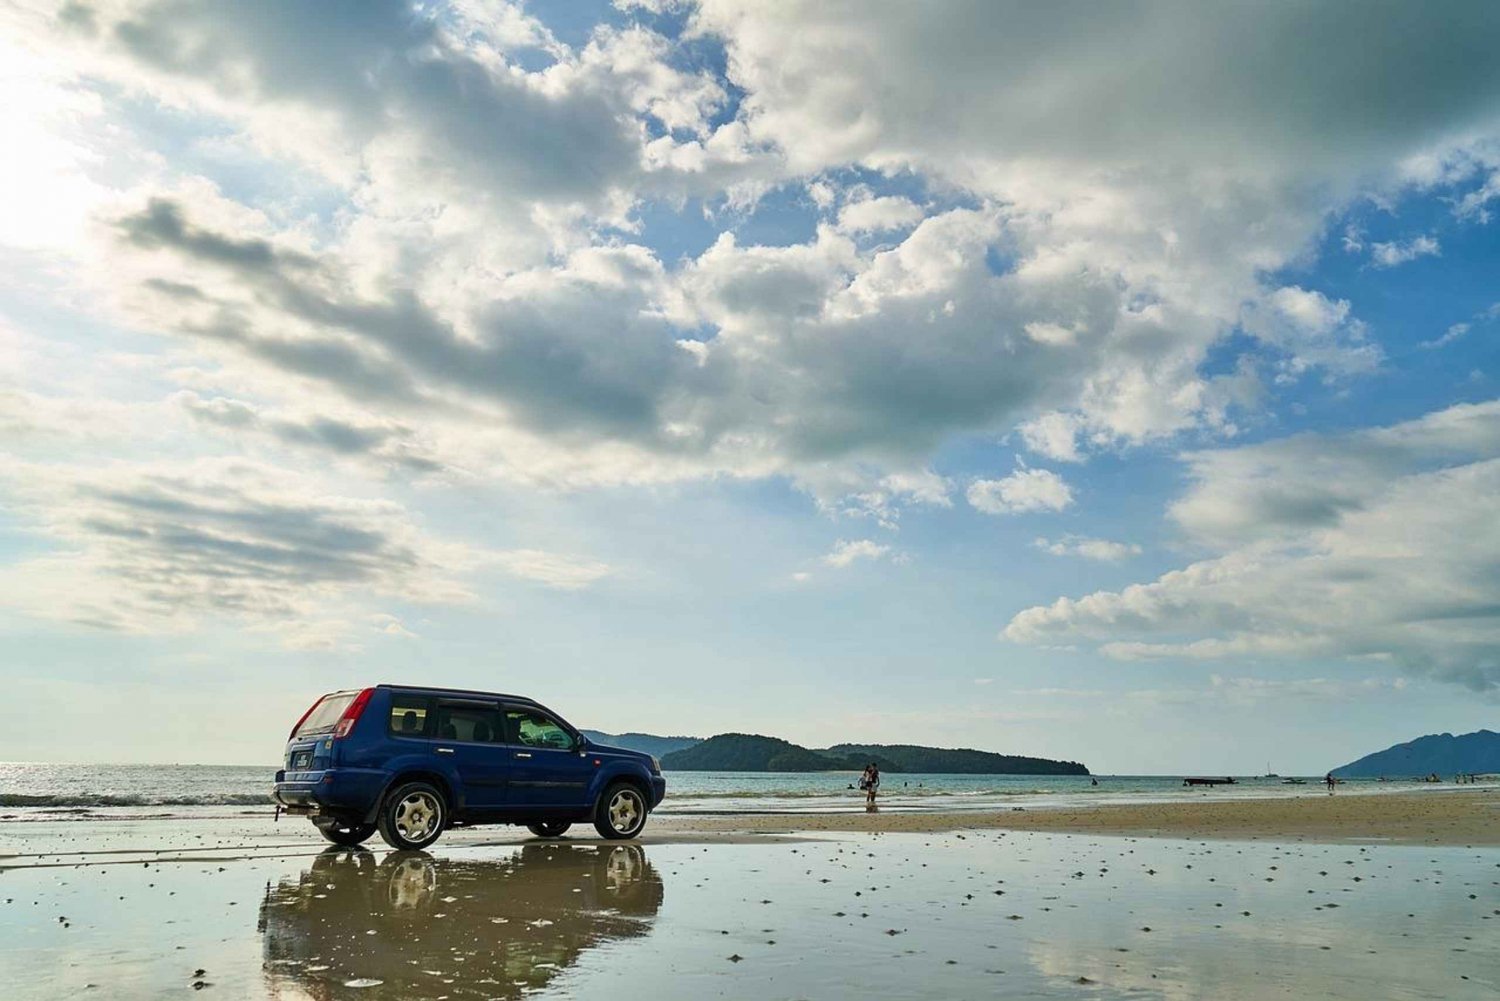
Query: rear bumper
[297, 798]
[351, 792]
[658, 790]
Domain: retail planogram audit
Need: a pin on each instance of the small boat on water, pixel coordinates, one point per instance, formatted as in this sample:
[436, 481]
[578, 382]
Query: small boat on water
[1201, 781]
[1294, 782]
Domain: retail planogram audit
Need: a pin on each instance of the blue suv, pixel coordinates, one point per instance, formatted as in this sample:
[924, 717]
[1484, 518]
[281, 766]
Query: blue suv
[410, 762]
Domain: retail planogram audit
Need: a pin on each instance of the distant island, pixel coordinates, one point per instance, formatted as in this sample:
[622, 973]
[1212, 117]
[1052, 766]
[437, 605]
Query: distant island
[1476, 753]
[748, 752]
[956, 760]
[646, 743]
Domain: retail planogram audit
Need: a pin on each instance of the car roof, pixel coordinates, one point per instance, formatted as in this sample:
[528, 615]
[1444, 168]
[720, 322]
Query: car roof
[461, 691]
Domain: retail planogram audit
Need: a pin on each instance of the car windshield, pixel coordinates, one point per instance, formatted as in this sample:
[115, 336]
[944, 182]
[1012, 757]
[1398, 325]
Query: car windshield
[325, 714]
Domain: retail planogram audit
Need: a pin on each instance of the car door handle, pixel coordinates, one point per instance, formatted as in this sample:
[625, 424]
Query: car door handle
[445, 750]
[523, 754]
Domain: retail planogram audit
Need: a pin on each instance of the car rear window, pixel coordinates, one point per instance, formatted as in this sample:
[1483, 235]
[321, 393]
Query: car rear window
[326, 713]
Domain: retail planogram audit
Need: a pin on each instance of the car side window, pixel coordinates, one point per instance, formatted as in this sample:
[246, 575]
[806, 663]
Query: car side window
[409, 715]
[469, 721]
[532, 728]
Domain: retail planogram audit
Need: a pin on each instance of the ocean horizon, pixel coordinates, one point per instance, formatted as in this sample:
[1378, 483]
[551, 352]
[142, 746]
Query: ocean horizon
[81, 790]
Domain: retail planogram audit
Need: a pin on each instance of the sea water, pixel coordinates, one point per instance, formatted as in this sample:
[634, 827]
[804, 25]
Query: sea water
[29, 789]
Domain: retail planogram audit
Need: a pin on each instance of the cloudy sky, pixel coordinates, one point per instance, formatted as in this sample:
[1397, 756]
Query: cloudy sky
[1111, 382]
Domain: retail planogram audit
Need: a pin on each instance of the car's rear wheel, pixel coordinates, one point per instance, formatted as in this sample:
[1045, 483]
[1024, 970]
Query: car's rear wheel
[341, 833]
[412, 816]
[549, 828]
[620, 812]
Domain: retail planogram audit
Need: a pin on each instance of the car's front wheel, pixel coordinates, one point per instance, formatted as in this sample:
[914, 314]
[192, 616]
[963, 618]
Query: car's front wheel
[412, 816]
[549, 828]
[620, 812]
[344, 834]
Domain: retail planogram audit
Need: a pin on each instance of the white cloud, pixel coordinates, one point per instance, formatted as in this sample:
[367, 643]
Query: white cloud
[565, 573]
[837, 81]
[1453, 333]
[1313, 330]
[1054, 435]
[1388, 255]
[467, 282]
[162, 547]
[1229, 690]
[1186, 183]
[390, 625]
[1475, 204]
[46, 194]
[1458, 330]
[1353, 240]
[847, 552]
[172, 547]
[1249, 690]
[851, 492]
[1023, 491]
[1291, 486]
[400, 284]
[879, 215]
[1378, 544]
[350, 435]
[1091, 549]
[1051, 333]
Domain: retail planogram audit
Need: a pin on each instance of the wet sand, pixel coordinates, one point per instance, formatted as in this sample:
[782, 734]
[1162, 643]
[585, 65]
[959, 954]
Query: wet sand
[1461, 816]
[238, 907]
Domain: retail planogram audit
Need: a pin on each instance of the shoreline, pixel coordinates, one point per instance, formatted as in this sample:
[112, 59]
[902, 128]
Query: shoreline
[1455, 817]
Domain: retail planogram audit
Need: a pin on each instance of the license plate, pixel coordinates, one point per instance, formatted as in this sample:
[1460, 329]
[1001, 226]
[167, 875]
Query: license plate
[301, 761]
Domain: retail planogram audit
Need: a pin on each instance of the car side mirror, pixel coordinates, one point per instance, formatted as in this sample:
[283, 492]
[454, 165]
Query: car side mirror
[583, 744]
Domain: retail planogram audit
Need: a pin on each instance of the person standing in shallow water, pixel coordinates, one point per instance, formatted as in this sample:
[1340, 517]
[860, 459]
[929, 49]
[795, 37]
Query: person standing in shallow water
[1329, 779]
[872, 784]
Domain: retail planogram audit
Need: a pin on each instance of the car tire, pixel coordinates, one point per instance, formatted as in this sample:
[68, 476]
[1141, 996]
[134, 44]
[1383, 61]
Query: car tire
[412, 816]
[621, 812]
[347, 835]
[549, 828]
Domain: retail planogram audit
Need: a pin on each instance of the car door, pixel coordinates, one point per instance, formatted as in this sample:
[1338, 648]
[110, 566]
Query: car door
[546, 769]
[471, 734]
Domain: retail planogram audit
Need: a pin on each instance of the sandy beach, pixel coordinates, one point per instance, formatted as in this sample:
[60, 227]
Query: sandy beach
[1442, 816]
[851, 915]
[1351, 897]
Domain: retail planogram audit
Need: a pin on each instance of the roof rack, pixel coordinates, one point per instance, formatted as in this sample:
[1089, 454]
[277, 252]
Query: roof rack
[459, 691]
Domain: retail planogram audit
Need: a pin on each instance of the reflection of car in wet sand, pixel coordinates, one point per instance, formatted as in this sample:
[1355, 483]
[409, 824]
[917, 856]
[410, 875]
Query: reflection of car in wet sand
[428, 928]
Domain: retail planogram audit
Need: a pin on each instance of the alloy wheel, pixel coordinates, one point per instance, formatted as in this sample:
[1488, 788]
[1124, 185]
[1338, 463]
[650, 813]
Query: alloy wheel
[418, 816]
[626, 811]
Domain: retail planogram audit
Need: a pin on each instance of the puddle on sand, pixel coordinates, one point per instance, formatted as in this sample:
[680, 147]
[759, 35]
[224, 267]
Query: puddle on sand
[966, 914]
[420, 926]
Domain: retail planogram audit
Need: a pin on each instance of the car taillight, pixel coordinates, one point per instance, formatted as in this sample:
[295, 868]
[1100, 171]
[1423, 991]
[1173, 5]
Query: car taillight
[351, 715]
[298, 725]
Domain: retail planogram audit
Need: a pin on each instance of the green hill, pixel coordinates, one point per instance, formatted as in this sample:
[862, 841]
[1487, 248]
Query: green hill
[748, 752]
[648, 743]
[1443, 753]
[959, 761]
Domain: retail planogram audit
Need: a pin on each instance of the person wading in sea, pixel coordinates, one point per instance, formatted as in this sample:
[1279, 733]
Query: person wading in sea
[871, 784]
